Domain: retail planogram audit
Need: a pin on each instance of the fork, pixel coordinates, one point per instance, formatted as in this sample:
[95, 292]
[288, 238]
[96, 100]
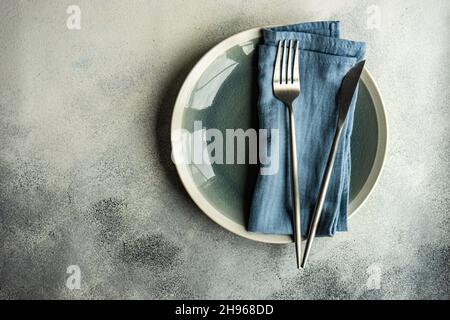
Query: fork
[286, 88]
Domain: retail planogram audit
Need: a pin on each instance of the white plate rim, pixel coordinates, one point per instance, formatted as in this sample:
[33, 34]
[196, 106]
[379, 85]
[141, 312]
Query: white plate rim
[183, 169]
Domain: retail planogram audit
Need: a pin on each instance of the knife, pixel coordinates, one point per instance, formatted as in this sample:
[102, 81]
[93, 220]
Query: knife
[346, 92]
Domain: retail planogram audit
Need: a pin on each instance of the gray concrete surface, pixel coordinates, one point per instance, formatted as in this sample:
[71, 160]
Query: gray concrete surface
[86, 177]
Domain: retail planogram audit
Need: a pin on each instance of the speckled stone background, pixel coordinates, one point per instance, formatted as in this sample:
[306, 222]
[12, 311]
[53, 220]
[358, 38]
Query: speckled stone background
[86, 177]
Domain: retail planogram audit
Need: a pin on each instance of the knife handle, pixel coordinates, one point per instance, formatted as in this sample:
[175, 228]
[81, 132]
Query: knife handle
[322, 195]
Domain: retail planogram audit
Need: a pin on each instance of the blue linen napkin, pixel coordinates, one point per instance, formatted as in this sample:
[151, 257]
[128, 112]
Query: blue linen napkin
[324, 61]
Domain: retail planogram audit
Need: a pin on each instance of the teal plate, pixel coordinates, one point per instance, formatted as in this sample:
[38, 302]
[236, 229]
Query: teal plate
[221, 92]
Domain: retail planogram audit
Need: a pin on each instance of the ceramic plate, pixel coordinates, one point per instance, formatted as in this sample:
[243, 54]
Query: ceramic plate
[220, 91]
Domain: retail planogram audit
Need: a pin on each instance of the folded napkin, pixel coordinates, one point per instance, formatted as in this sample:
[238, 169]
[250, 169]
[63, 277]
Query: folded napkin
[324, 61]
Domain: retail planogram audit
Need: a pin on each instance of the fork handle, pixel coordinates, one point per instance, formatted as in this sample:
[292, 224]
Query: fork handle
[295, 188]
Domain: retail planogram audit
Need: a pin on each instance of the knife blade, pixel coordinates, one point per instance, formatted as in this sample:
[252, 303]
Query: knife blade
[347, 90]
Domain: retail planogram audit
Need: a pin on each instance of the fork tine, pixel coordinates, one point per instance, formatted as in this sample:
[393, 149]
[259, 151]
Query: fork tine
[296, 67]
[289, 67]
[277, 68]
[284, 64]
